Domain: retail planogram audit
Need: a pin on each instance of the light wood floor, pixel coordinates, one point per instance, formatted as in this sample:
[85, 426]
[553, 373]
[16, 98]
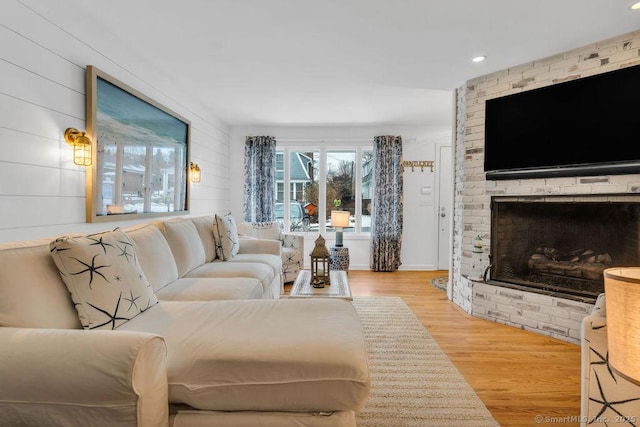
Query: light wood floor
[518, 374]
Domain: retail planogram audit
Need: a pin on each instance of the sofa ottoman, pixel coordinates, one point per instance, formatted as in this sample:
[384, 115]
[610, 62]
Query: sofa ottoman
[261, 355]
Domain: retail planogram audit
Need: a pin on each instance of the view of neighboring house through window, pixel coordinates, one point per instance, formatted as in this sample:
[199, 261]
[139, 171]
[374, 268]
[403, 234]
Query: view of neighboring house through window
[322, 180]
[142, 177]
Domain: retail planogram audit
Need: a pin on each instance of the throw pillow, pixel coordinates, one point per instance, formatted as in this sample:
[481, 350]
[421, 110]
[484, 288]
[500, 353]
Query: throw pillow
[266, 230]
[102, 273]
[225, 234]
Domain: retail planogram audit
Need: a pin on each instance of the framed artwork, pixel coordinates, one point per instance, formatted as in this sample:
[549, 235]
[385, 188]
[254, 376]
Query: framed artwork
[141, 153]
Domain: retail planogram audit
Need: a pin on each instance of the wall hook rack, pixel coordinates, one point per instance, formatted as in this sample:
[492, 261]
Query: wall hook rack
[418, 164]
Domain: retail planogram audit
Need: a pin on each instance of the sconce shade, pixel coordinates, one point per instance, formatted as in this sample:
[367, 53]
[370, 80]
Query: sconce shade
[339, 220]
[195, 172]
[622, 290]
[82, 147]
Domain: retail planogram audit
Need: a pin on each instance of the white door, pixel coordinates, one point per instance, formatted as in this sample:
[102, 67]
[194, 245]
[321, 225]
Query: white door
[445, 197]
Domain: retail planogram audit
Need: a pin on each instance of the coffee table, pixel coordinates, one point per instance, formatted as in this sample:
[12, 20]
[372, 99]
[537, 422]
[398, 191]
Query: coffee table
[339, 287]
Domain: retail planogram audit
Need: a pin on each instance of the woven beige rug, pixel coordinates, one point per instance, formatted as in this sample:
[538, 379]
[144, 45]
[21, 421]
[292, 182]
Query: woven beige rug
[413, 382]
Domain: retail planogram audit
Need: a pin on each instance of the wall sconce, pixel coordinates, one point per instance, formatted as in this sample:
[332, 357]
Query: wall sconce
[195, 172]
[339, 220]
[622, 290]
[81, 146]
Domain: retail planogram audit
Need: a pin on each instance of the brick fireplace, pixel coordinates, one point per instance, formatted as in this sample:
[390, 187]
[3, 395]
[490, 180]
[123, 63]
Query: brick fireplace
[560, 245]
[544, 305]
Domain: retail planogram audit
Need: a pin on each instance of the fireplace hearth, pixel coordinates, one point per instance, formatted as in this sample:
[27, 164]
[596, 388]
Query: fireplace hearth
[561, 245]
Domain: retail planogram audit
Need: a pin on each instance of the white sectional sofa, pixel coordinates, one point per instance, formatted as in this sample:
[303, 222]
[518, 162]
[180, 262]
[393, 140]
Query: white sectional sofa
[179, 336]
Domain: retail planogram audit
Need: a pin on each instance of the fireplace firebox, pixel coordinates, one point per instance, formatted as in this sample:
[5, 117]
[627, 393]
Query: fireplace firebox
[561, 245]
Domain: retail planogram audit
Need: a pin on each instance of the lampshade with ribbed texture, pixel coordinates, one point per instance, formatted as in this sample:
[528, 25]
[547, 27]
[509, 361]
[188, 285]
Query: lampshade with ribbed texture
[622, 291]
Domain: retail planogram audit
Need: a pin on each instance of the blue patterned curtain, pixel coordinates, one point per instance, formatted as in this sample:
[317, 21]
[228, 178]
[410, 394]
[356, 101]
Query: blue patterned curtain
[259, 178]
[386, 216]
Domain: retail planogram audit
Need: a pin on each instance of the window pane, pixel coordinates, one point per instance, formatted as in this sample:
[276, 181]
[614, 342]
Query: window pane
[133, 174]
[303, 191]
[279, 176]
[280, 161]
[109, 187]
[162, 179]
[279, 191]
[367, 189]
[341, 185]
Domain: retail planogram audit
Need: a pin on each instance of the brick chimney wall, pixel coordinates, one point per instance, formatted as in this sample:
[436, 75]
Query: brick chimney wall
[472, 193]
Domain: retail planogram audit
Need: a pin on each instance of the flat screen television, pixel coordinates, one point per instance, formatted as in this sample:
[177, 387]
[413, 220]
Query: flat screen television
[587, 126]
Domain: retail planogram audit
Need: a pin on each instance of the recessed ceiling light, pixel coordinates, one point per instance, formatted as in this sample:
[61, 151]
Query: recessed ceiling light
[479, 58]
[636, 6]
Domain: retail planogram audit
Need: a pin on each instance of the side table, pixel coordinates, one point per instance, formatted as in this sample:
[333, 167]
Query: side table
[339, 258]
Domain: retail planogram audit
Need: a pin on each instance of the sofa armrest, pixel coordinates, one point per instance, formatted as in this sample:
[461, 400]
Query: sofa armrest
[294, 241]
[78, 377]
[600, 307]
[250, 245]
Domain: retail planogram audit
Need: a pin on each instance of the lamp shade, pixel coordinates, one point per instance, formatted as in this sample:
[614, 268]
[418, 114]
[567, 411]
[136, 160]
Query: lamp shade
[339, 218]
[622, 290]
[196, 174]
[82, 148]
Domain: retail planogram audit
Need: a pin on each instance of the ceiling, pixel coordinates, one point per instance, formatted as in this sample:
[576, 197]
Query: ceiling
[329, 62]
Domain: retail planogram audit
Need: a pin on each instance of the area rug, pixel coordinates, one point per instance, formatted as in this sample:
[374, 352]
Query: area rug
[413, 382]
[440, 282]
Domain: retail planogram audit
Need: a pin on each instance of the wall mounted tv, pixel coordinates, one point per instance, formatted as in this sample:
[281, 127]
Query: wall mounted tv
[587, 126]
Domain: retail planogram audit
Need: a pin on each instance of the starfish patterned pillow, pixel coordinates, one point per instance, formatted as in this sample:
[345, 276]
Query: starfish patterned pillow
[102, 273]
[225, 236]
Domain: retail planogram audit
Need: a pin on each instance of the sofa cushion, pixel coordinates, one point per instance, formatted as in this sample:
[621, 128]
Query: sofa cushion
[185, 244]
[225, 234]
[264, 355]
[32, 293]
[204, 225]
[272, 260]
[154, 255]
[104, 278]
[254, 270]
[211, 289]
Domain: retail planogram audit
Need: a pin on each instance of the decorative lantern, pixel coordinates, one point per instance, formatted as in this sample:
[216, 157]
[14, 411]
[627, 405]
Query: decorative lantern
[320, 264]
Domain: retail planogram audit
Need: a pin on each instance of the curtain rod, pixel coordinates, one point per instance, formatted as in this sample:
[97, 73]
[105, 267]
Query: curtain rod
[333, 139]
[324, 139]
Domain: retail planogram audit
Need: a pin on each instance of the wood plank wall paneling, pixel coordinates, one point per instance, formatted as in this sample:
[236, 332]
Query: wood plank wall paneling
[518, 374]
[42, 92]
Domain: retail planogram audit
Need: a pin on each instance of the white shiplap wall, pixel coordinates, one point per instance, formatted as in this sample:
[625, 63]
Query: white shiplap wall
[42, 92]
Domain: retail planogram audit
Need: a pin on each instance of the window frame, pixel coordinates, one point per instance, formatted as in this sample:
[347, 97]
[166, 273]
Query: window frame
[323, 147]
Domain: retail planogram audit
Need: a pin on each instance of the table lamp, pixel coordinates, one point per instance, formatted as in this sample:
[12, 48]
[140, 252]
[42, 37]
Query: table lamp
[339, 220]
[622, 290]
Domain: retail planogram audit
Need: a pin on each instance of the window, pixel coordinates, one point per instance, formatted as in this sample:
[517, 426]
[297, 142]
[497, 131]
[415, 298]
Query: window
[322, 180]
[366, 194]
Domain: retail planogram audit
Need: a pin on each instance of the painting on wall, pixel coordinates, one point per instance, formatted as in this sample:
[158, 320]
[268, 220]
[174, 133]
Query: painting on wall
[141, 158]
